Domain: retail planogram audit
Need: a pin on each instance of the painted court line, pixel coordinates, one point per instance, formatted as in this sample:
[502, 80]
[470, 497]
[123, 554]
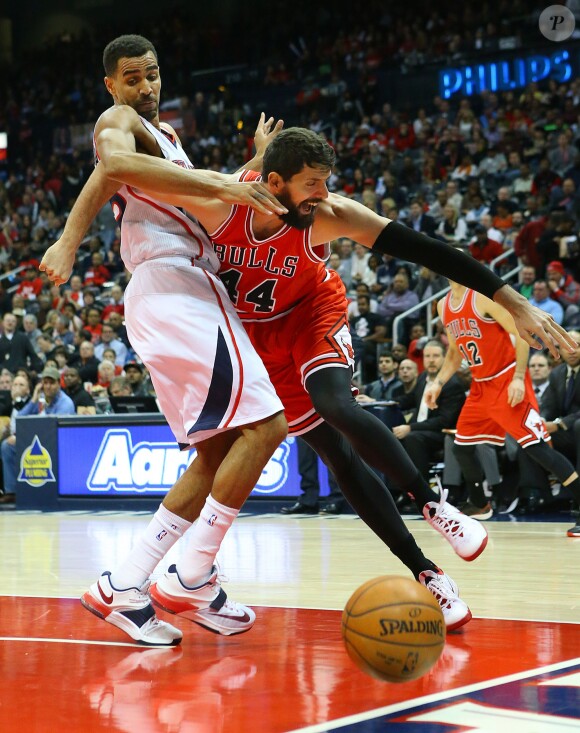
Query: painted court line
[71, 641]
[313, 608]
[436, 697]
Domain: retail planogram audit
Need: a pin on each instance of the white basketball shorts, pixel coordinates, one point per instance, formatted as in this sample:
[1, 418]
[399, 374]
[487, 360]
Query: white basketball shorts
[206, 373]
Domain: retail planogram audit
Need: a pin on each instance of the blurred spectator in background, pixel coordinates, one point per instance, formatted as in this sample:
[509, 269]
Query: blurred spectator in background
[526, 285]
[382, 388]
[30, 286]
[87, 364]
[408, 375]
[541, 299]
[115, 302]
[398, 299]
[20, 392]
[31, 330]
[452, 228]
[16, 351]
[482, 248]
[564, 290]
[138, 380]
[539, 367]
[109, 340]
[120, 387]
[419, 221]
[422, 435]
[96, 275]
[367, 330]
[73, 387]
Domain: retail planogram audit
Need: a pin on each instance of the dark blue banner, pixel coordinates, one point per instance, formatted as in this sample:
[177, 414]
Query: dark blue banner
[144, 460]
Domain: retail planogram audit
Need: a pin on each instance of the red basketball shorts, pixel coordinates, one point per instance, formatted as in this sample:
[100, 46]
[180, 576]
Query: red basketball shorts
[313, 336]
[486, 416]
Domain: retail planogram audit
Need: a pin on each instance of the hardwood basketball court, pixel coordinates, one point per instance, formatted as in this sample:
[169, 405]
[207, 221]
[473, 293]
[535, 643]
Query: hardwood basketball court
[515, 667]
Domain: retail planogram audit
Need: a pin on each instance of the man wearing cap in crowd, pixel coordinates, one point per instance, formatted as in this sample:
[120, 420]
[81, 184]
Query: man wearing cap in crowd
[482, 248]
[140, 384]
[563, 289]
[47, 399]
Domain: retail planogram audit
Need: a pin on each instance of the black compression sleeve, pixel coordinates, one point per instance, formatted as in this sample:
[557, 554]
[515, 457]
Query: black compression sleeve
[400, 241]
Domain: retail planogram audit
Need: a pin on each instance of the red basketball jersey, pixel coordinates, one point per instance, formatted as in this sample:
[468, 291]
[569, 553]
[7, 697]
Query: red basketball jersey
[266, 278]
[485, 345]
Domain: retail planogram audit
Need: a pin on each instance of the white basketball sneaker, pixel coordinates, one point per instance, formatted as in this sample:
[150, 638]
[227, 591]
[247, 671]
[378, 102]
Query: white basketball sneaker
[131, 611]
[455, 612]
[467, 536]
[206, 604]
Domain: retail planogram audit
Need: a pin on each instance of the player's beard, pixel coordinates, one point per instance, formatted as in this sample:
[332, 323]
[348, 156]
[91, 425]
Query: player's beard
[296, 218]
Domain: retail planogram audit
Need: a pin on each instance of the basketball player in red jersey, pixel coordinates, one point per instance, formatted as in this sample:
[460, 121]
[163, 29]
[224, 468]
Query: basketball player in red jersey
[304, 346]
[501, 399]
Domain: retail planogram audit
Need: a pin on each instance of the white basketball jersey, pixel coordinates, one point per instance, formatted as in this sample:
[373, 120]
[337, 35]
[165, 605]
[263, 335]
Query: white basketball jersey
[151, 228]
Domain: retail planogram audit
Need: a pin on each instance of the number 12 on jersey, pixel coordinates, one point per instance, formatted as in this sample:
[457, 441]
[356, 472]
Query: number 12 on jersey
[470, 353]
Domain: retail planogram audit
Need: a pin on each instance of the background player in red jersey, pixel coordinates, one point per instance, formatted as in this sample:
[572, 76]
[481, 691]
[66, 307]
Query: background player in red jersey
[501, 399]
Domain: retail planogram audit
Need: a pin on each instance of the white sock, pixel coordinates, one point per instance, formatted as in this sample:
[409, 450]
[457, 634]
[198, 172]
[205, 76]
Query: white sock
[205, 538]
[161, 534]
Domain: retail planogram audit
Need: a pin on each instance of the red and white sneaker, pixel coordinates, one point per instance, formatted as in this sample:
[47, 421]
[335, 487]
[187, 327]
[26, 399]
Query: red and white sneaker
[455, 611]
[206, 604]
[467, 536]
[131, 611]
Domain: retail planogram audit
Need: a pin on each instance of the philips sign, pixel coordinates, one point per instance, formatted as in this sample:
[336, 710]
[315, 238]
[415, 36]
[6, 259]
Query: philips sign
[500, 76]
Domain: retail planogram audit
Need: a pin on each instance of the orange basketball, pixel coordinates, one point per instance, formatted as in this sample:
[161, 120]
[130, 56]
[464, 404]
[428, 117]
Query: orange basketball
[393, 628]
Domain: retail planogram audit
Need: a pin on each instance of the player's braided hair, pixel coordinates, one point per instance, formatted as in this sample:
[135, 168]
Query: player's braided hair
[129, 46]
[294, 148]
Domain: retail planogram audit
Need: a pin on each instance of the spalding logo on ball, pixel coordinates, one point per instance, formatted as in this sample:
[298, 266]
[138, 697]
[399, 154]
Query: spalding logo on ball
[393, 628]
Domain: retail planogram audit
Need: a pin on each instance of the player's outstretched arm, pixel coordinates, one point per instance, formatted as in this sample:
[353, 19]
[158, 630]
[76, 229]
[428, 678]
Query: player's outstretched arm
[117, 133]
[341, 217]
[59, 259]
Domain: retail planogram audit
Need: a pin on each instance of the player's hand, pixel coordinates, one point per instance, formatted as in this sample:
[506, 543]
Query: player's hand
[252, 194]
[534, 325]
[364, 398]
[401, 431]
[431, 395]
[265, 133]
[516, 391]
[58, 262]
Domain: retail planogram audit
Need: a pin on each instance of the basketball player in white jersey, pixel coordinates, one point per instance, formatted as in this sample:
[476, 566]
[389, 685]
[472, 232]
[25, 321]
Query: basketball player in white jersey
[211, 385]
